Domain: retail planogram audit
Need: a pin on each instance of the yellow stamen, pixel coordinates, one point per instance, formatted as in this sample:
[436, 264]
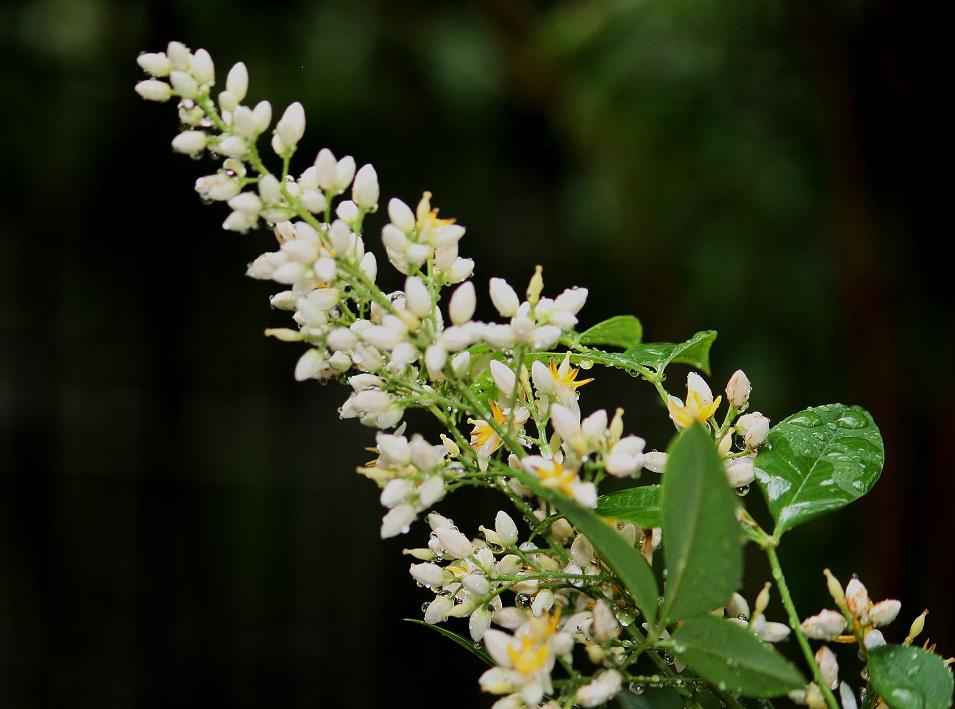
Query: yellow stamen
[568, 378]
[555, 476]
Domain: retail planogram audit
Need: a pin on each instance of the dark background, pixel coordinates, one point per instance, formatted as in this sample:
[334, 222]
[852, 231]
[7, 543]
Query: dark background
[179, 521]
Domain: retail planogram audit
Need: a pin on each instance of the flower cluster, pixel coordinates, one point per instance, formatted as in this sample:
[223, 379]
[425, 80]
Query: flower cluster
[506, 392]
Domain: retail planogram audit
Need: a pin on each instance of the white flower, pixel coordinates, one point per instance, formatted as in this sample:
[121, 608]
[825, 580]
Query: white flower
[454, 542]
[553, 474]
[601, 690]
[203, 69]
[154, 63]
[365, 189]
[438, 610]
[626, 457]
[463, 302]
[435, 357]
[503, 376]
[291, 127]
[504, 297]
[754, 428]
[825, 625]
[237, 81]
[484, 438]
[738, 389]
[699, 406]
[154, 90]
[397, 521]
[543, 380]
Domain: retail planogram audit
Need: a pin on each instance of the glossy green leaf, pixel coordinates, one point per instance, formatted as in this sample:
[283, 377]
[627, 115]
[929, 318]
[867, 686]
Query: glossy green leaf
[818, 460]
[656, 356]
[733, 658]
[640, 505]
[622, 558]
[476, 650]
[702, 538]
[910, 677]
[622, 331]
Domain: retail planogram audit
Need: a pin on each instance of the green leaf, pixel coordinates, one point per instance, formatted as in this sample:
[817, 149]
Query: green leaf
[477, 651]
[818, 460]
[640, 505]
[622, 558]
[651, 355]
[910, 677]
[733, 658]
[702, 538]
[622, 331]
[651, 698]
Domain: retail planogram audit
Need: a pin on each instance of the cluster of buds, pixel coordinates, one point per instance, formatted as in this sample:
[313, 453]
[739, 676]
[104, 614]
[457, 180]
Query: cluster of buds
[737, 610]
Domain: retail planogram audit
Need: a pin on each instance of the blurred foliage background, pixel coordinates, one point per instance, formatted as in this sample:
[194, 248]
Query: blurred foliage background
[179, 523]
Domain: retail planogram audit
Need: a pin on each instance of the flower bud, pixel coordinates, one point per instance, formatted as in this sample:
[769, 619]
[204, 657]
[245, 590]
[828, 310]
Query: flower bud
[884, 612]
[418, 297]
[916, 628]
[461, 268]
[828, 666]
[571, 300]
[262, 116]
[428, 574]
[503, 376]
[504, 297]
[873, 638]
[460, 364]
[754, 428]
[291, 126]
[601, 690]
[478, 623]
[237, 81]
[435, 357]
[655, 461]
[203, 68]
[365, 189]
[605, 626]
[825, 625]
[738, 389]
[857, 600]
[154, 90]
[740, 472]
[506, 529]
[179, 55]
[476, 584]
[463, 302]
[401, 215]
[189, 142]
[438, 610]
[835, 589]
[536, 285]
[455, 543]
[184, 84]
[397, 521]
[154, 63]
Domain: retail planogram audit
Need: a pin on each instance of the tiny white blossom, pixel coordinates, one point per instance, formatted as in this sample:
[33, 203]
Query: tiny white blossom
[504, 297]
[291, 126]
[365, 188]
[237, 81]
[154, 90]
[738, 389]
[754, 428]
[463, 302]
[154, 63]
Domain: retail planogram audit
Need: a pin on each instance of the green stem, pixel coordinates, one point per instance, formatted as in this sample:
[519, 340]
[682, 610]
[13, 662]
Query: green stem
[795, 624]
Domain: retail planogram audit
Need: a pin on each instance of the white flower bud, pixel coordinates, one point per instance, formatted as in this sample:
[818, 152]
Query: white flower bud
[543, 379]
[369, 266]
[605, 626]
[262, 116]
[430, 491]
[314, 201]
[427, 574]
[291, 126]
[435, 357]
[582, 551]
[153, 90]
[884, 612]
[232, 147]
[397, 521]
[218, 187]
[401, 215]
[179, 55]
[365, 188]
[184, 84]
[873, 638]
[418, 296]
[461, 268]
[345, 171]
[754, 428]
[738, 389]
[825, 625]
[504, 297]
[189, 142]
[543, 602]
[454, 542]
[565, 421]
[503, 376]
[395, 492]
[847, 698]
[740, 472]
[601, 690]
[478, 623]
[308, 364]
[460, 364]
[237, 81]
[505, 528]
[571, 300]
[438, 610]
[325, 269]
[828, 666]
[154, 63]
[239, 221]
[347, 211]
[626, 457]
[476, 584]
[773, 632]
[857, 598]
[202, 67]
[463, 302]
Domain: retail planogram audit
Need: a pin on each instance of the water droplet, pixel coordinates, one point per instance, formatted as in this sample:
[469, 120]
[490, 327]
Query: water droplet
[585, 364]
[807, 419]
[521, 601]
[742, 491]
[636, 688]
[424, 606]
[852, 419]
